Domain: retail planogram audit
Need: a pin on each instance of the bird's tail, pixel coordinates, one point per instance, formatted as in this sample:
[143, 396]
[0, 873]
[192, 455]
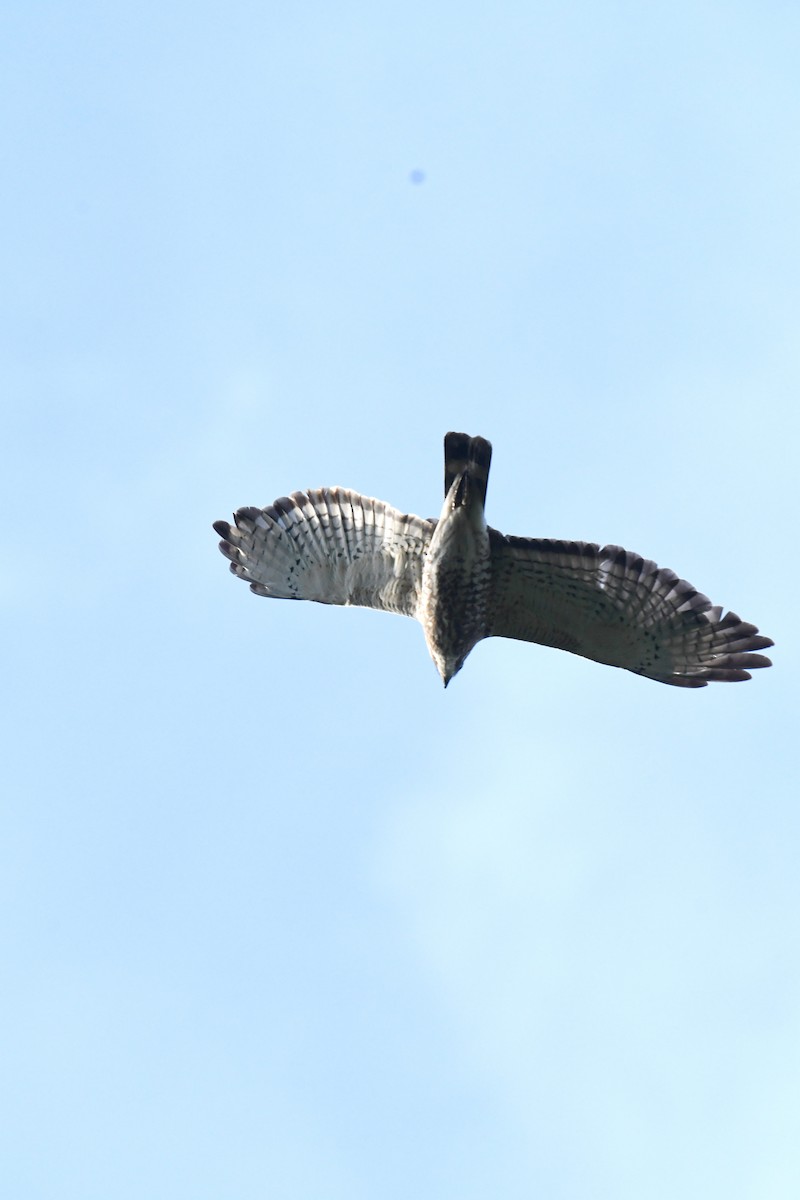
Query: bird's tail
[470, 458]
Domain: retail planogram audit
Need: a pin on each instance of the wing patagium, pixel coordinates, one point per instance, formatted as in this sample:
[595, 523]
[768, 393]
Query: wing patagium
[330, 545]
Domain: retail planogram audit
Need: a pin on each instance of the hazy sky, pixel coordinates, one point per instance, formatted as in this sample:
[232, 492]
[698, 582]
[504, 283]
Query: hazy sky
[279, 917]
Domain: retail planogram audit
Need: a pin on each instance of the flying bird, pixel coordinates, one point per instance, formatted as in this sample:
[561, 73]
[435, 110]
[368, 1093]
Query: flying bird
[463, 581]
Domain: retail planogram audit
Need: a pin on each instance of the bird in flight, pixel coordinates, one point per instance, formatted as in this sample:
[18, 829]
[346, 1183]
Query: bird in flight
[463, 581]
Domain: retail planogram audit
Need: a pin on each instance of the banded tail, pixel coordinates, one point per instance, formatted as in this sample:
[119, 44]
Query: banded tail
[470, 458]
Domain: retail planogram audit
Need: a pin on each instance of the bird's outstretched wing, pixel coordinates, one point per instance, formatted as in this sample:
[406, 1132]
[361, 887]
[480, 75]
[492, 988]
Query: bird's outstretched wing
[616, 608]
[330, 545]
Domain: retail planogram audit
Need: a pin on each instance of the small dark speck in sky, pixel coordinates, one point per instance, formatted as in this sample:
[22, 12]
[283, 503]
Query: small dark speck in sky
[417, 176]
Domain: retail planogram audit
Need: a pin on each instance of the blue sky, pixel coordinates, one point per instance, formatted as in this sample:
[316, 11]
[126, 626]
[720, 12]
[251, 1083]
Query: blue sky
[279, 916]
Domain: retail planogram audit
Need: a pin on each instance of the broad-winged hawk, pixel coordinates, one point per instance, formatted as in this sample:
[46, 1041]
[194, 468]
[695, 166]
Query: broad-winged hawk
[464, 581]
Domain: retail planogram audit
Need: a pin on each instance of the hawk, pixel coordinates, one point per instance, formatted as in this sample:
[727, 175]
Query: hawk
[463, 581]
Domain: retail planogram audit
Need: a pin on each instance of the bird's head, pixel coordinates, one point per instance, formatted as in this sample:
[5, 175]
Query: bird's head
[447, 665]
